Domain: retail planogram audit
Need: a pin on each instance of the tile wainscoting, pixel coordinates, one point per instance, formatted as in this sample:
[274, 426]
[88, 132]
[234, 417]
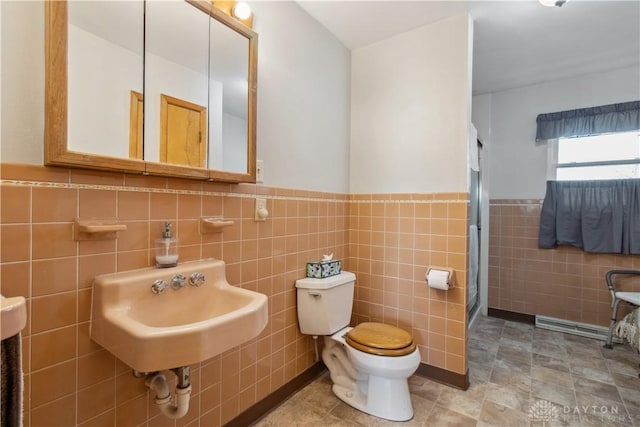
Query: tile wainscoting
[565, 282]
[392, 240]
[387, 240]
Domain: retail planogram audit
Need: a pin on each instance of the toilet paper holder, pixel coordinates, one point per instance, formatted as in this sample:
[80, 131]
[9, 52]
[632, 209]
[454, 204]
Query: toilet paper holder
[443, 277]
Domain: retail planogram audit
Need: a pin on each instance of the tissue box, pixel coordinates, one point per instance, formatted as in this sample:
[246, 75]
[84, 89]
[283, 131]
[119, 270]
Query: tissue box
[322, 269]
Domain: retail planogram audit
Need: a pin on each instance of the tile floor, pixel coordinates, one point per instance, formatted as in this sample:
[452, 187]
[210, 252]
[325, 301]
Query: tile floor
[520, 376]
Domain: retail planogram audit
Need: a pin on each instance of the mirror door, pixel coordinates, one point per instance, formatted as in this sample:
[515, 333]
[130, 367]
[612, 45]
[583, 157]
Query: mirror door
[108, 78]
[229, 103]
[176, 84]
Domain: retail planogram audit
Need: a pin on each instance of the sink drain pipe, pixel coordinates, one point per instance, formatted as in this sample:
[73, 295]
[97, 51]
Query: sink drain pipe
[157, 382]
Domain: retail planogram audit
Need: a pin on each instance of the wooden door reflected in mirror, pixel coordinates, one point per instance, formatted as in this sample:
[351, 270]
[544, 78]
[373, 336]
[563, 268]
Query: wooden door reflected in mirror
[183, 131]
[136, 126]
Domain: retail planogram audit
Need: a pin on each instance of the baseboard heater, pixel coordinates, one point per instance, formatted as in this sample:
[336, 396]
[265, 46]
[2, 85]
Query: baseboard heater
[576, 328]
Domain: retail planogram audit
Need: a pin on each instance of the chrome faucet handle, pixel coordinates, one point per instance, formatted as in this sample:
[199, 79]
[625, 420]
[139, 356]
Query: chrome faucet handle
[178, 281]
[196, 279]
[159, 286]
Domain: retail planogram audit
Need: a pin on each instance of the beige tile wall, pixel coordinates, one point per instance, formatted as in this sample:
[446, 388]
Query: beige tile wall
[69, 380]
[387, 240]
[566, 282]
[393, 240]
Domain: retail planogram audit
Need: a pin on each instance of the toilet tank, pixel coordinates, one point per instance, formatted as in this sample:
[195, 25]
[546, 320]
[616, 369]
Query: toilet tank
[324, 305]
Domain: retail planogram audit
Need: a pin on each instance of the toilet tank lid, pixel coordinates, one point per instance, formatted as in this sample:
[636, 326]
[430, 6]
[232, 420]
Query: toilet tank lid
[327, 282]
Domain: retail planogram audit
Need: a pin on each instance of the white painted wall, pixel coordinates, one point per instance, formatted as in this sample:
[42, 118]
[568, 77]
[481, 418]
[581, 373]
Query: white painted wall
[410, 111]
[0, 80]
[481, 117]
[517, 162]
[214, 155]
[303, 100]
[234, 133]
[303, 95]
[99, 113]
[22, 62]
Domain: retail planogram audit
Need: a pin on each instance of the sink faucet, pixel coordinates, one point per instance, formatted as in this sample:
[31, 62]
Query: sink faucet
[159, 286]
[178, 281]
[196, 279]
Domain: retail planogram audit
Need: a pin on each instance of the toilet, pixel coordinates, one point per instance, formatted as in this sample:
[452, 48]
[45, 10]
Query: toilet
[370, 363]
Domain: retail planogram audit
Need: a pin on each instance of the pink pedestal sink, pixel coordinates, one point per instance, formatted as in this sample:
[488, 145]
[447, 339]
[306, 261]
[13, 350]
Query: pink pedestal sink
[179, 326]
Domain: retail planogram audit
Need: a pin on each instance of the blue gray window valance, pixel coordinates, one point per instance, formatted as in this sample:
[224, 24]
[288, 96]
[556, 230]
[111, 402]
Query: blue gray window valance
[597, 216]
[623, 117]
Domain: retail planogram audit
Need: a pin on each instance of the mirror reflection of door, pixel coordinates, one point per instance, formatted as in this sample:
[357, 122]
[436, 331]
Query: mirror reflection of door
[135, 125]
[104, 64]
[176, 64]
[183, 128]
[183, 48]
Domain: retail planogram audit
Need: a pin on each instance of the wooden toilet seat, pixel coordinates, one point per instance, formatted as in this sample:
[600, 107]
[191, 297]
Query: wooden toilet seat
[380, 339]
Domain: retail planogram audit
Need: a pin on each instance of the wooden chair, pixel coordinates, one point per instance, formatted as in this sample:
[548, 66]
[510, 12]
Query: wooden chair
[616, 297]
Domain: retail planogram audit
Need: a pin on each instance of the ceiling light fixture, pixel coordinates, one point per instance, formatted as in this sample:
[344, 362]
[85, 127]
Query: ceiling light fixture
[552, 3]
[241, 11]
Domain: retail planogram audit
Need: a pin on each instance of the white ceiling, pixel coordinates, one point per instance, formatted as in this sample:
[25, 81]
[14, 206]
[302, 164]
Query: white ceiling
[516, 42]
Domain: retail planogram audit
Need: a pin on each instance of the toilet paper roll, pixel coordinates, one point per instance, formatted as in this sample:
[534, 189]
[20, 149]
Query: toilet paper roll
[438, 279]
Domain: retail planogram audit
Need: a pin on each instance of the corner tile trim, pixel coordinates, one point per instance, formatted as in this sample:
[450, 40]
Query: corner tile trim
[77, 186]
[377, 199]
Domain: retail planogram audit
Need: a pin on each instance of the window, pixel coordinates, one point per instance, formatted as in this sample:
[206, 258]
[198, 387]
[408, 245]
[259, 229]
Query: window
[609, 156]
